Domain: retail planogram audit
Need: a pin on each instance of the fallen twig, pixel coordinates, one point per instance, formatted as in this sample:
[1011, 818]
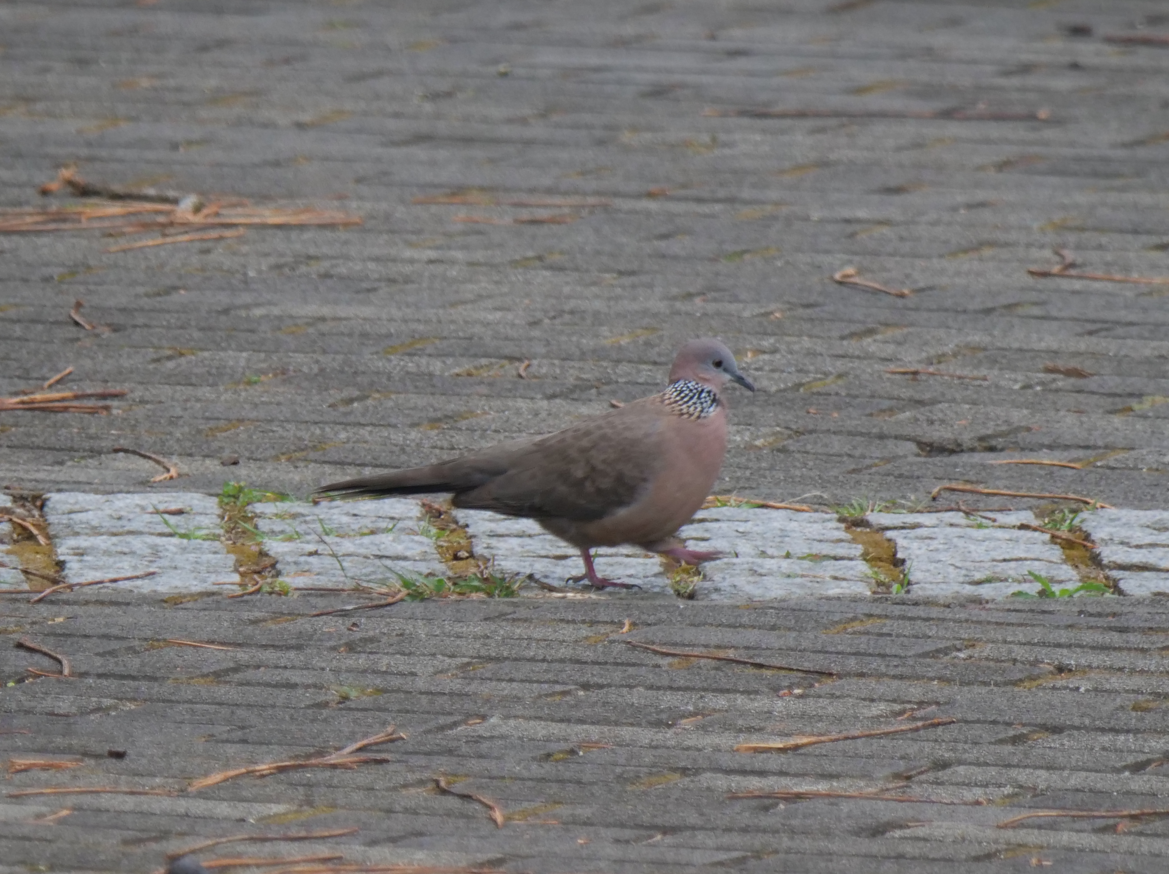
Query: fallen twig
[803, 795]
[915, 372]
[1039, 461]
[71, 586]
[851, 276]
[292, 836]
[181, 238]
[715, 500]
[68, 177]
[522, 373]
[342, 758]
[66, 668]
[1067, 370]
[197, 644]
[384, 869]
[60, 402]
[129, 212]
[262, 862]
[943, 114]
[394, 599]
[251, 590]
[1067, 262]
[17, 766]
[75, 315]
[482, 198]
[1083, 814]
[493, 809]
[51, 819]
[725, 658]
[1140, 39]
[90, 790]
[172, 470]
[1058, 535]
[49, 383]
[55, 580]
[973, 490]
[558, 219]
[27, 526]
[801, 742]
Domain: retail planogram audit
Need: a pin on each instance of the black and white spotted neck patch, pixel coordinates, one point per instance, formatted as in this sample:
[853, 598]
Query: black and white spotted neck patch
[691, 399]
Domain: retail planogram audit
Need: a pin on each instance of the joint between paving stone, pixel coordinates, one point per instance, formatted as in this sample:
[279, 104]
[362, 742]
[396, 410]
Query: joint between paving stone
[1085, 560]
[258, 570]
[888, 571]
[451, 539]
[37, 561]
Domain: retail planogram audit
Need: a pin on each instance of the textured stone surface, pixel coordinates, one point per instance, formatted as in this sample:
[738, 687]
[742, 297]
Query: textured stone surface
[98, 536]
[602, 757]
[766, 553]
[362, 541]
[9, 576]
[1134, 547]
[951, 554]
[182, 565]
[74, 514]
[943, 147]
[776, 554]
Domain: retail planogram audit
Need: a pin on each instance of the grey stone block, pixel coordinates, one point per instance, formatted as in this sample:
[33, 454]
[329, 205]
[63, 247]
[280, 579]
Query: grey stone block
[1134, 547]
[360, 541]
[1142, 583]
[74, 514]
[183, 565]
[951, 554]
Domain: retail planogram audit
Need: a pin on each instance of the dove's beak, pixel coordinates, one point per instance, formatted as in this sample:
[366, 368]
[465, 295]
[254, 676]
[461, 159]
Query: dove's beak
[743, 381]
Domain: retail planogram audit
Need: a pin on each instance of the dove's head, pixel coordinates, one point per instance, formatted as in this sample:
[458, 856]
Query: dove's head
[709, 362]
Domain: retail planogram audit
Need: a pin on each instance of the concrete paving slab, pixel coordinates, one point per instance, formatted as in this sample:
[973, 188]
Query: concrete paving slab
[340, 543]
[182, 565]
[614, 756]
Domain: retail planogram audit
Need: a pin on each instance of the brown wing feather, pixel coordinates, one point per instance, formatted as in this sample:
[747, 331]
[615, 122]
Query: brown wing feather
[583, 473]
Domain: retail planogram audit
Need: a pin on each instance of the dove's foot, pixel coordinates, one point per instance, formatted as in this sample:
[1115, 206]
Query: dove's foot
[594, 579]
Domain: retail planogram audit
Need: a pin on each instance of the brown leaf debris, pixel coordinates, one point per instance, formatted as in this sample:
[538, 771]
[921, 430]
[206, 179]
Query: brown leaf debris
[342, 758]
[799, 743]
[493, 809]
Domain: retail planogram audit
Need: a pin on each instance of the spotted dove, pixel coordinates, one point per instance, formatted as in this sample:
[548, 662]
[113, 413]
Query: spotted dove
[633, 475]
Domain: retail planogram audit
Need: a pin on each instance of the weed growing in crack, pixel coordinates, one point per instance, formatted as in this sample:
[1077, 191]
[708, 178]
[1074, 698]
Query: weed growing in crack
[895, 582]
[858, 507]
[193, 534]
[241, 495]
[245, 541]
[1063, 520]
[1047, 590]
[352, 693]
[684, 581]
[483, 585]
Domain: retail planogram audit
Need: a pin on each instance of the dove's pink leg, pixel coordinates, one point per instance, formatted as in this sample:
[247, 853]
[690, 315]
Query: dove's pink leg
[596, 581]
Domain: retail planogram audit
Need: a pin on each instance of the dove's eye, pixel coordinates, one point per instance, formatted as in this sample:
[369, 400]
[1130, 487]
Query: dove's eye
[718, 362]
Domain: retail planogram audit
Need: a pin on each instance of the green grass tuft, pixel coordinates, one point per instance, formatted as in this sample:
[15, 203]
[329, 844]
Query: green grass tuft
[1047, 590]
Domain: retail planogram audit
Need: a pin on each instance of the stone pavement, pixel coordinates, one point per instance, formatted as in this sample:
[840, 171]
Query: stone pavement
[940, 146]
[579, 187]
[602, 757]
[190, 546]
